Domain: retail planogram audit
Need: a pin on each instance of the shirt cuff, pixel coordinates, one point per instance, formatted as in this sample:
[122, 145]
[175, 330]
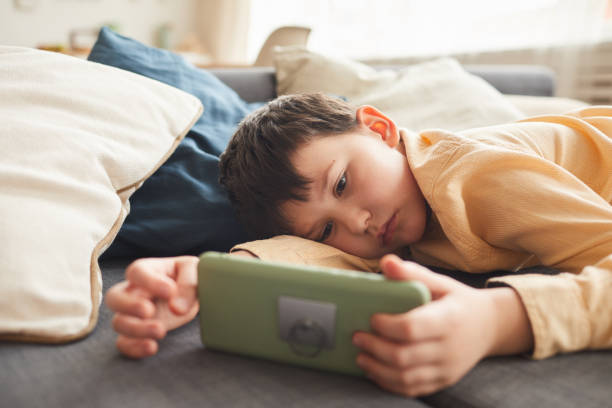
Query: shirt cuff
[554, 307]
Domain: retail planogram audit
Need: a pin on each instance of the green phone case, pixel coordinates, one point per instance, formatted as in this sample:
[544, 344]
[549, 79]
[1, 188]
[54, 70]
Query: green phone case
[292, 313]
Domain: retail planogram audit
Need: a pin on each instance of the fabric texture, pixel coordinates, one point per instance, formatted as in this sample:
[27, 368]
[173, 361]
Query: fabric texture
[538, 192]
[303, 251]
[434, 94]
[181, 209]
[542, 105]
[513, 196]
[92, 373]
[77, 138]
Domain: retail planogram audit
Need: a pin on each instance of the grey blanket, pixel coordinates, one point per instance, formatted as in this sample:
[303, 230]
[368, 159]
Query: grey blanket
[92, 373]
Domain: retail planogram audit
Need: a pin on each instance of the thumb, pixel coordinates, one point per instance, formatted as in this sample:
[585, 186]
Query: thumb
[184, 302]
[187, 282]
[395, 268]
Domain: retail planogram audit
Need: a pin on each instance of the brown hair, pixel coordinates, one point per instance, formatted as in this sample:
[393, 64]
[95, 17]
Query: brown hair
[255, 168]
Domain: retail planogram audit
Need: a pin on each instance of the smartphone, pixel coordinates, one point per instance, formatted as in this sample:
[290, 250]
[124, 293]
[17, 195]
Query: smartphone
[296, 314]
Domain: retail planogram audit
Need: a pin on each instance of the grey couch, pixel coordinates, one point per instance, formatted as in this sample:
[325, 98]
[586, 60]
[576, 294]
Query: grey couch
[259, 83]
[91, 373]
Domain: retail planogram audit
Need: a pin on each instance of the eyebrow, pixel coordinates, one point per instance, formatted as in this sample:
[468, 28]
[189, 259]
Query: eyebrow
[323, 190]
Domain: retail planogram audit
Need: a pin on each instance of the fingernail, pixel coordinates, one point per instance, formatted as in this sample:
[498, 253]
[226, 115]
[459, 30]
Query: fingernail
[181, 304]
[358, 341]
[146, 310]
[157, 331]
[151, 347]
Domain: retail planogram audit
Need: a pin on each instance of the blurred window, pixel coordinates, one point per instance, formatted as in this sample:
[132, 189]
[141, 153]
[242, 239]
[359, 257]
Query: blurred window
[365, 29]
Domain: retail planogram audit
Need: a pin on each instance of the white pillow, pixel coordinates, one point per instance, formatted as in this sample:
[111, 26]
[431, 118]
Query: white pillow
[77, 139]
[434, 94]
[544, 105]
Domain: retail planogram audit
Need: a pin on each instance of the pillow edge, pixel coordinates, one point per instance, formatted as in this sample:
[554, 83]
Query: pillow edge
[95, 275]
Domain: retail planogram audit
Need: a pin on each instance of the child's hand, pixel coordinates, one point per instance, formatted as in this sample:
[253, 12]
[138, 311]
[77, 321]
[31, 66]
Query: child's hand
[158, 295]
[433, 346]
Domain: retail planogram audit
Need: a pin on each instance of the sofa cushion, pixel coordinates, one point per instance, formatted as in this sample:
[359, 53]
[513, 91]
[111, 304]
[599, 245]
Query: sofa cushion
[438, 93]
[182, 208]
[77, 138]
[186, 374]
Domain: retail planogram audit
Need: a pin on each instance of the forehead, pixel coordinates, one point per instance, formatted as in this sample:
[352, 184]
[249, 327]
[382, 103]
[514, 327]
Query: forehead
[314, 157]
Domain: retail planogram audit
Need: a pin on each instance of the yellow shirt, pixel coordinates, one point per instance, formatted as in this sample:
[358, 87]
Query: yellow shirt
[536, 192]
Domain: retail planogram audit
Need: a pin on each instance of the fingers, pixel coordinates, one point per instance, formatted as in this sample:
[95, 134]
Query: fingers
[410, 369]
[426, 322]
[421, 380]
[186, 268]
[122, 299]
[136, 347]
[413, 390]
[166, 313]
[156, 275]
[186, 303]
[396, 269]
[131, 326]
[150, 284]
[396, 354]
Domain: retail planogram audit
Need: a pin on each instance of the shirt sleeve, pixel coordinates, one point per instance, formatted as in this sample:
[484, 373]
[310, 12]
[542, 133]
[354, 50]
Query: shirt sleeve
[293, 249]
[568, 312]
[523, 203]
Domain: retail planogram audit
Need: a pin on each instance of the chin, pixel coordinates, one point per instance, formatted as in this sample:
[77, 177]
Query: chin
[373, 253]
[378, 254]
[416, 234]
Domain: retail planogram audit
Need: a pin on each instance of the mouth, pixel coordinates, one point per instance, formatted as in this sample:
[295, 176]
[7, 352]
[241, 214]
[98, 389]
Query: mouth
[386, 233]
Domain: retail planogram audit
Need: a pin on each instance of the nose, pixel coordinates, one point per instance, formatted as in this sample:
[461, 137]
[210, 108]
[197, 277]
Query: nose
[355, 218]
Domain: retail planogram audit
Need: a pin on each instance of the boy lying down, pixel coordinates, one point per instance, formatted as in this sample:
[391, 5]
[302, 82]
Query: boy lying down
[344, 187]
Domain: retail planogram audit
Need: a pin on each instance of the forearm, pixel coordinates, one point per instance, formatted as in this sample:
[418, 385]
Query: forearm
[293, 249]
[244, 252]
[511, 326]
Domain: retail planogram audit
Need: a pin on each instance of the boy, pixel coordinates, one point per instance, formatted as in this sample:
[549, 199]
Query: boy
[502, 197]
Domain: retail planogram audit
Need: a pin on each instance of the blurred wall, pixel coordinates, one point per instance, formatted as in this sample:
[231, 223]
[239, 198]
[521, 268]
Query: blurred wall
[34, 22]
[223, 29]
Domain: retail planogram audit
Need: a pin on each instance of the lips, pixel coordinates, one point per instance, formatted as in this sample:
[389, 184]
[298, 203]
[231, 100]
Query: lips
[386, 233]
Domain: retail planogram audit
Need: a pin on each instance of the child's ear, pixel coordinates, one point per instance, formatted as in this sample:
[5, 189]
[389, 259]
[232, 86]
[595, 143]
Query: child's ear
[377, 122]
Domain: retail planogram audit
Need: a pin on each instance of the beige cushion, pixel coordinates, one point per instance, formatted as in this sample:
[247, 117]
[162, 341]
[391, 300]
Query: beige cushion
[544, 105]
[77, 139]
[438, 93]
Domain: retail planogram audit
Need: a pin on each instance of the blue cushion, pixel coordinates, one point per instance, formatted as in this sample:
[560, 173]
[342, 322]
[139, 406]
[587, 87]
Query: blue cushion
[181, 209]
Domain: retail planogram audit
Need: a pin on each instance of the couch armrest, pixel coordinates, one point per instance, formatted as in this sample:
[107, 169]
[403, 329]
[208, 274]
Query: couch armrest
[253, 84]
[256, 84]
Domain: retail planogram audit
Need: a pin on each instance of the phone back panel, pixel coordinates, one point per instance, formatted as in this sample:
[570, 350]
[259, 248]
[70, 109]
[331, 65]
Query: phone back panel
[291, 313]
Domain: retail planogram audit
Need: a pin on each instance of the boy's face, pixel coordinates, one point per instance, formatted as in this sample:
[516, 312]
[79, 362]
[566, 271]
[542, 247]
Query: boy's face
[364, 199]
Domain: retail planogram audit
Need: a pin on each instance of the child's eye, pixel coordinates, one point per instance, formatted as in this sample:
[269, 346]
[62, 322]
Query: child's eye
[341, 185]
[326, 231]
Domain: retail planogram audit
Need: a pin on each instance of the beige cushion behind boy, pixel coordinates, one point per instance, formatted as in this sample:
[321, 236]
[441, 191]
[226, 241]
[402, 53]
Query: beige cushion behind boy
[438, 93]
[544, 105]
[77, 139]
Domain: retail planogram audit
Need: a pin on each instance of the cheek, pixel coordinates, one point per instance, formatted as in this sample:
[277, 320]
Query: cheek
[377, 177]
[363, 246]
[384, 176]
